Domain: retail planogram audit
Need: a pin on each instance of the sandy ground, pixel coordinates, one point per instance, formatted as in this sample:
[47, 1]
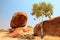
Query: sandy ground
[4, 36]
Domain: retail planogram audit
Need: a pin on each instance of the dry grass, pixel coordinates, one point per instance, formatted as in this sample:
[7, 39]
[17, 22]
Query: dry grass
[5, 36]
[47, 38]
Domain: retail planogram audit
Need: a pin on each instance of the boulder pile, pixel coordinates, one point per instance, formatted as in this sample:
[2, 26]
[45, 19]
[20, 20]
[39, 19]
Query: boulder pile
[18, 25]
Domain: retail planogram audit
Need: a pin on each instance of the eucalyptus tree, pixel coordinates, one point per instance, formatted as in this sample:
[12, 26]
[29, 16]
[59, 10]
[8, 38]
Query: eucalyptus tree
[42, 10]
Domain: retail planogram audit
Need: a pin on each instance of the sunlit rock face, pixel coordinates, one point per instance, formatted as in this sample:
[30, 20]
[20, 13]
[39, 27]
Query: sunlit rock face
[18, 25]
[50, 27]
[19, 19]
[21, 31]
[17, 32]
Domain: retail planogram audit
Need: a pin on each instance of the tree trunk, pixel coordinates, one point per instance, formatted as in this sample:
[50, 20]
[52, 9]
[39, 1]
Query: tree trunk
[42, 28]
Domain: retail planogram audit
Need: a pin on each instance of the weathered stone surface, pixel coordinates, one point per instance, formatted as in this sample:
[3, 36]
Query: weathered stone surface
[21, 31]
[29, 30]
[17, 32]
[19, 19]
[50, 27]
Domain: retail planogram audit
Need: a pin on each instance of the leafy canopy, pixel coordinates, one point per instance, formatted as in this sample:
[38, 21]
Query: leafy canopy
[42, 9]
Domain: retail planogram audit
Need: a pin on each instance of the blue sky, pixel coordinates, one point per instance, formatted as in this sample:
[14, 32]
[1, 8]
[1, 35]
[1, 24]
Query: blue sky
[9, 7]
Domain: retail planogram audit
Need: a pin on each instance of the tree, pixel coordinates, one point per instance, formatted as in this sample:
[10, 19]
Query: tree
[41, 10]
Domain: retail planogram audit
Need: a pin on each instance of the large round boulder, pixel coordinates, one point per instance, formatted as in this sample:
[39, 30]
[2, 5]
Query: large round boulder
[19, 19]
[50, 27]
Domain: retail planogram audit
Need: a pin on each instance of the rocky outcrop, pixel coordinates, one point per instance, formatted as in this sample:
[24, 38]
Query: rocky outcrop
[18, 24]
[19, 19]
[22, 31]
[50, 27]
[17, 32]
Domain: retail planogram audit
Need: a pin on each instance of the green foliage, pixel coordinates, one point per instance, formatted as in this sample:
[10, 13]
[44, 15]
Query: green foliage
[29, 26]
[42, 9]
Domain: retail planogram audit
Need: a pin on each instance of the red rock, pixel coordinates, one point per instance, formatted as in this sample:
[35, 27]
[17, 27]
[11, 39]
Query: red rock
[50, 27]
[17, 32]
[21, 31]
[19, 19]
[29, 30]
